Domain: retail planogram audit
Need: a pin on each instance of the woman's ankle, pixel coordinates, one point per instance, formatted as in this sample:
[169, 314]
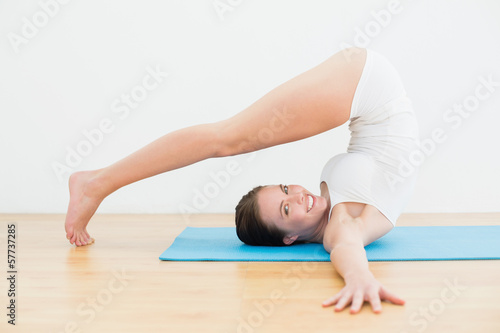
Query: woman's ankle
[95, 184]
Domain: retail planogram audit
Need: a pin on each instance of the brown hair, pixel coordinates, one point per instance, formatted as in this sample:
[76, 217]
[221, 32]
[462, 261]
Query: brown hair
[250, 228]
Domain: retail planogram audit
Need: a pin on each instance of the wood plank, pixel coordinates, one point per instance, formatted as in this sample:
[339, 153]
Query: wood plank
[119, 284]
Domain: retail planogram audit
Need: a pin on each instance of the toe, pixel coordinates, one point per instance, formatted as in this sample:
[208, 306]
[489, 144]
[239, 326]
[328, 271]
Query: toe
[78, 241]
[82, 240]
[69, 234]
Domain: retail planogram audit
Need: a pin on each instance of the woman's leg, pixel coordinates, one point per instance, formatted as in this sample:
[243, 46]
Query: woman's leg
[311, 103]
[172, 151]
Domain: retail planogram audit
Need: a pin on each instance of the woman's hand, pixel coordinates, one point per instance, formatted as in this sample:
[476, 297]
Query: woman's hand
[361, 288]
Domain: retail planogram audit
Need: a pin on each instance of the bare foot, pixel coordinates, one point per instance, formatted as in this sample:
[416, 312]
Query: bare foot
[84, 200]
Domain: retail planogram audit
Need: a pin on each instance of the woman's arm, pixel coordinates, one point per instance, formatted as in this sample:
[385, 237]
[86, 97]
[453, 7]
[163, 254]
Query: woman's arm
[345, 239]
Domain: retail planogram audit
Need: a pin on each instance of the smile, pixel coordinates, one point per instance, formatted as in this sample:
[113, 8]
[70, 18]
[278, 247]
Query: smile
[311, 203]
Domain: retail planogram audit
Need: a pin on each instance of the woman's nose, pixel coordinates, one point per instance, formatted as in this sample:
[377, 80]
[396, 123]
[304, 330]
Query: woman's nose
[299, 198]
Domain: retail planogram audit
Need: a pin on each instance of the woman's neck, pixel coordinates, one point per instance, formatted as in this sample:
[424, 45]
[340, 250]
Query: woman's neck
[317, 235]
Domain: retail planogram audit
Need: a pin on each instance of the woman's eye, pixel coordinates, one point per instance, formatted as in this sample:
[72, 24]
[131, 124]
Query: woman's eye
[286, 210]
[286, 189]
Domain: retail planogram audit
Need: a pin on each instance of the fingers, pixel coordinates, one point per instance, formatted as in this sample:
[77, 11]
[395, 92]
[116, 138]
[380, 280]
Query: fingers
[388, 296]
[343, 301]
[375, 302]
[332, 300]
[357, 302]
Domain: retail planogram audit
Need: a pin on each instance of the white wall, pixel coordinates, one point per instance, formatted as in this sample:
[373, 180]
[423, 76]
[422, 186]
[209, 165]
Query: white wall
[68, 74]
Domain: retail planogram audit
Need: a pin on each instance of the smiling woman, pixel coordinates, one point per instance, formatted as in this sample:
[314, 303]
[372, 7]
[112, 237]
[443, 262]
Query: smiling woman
[301, 215]
[357, 204]
[265, 216]
[383, 131]
[250, 227]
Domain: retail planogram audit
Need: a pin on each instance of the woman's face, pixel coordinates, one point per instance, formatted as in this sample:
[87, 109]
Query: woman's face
[293, 209]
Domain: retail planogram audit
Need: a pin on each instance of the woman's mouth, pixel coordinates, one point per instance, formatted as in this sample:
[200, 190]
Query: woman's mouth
[310, 202]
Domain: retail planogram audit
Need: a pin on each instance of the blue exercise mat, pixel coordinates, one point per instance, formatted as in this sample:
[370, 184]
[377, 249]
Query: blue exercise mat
[402, 243]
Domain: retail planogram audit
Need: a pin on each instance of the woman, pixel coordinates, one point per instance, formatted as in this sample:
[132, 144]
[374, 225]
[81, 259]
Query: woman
[362, 192]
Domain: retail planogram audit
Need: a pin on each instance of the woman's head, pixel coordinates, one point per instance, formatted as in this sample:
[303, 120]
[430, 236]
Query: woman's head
[281, 215]
[249, 225]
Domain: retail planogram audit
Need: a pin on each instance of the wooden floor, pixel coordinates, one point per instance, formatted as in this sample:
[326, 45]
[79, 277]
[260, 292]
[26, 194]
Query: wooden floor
[118, 284]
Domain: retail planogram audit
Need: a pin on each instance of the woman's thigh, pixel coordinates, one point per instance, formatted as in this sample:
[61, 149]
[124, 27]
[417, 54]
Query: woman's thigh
[311, 103]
